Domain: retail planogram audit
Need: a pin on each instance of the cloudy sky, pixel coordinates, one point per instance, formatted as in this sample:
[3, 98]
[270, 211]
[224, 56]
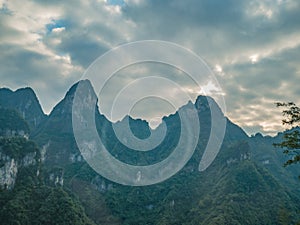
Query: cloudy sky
[252, 46]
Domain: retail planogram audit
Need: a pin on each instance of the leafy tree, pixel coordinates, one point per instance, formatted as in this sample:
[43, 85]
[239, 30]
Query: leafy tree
[291, 139]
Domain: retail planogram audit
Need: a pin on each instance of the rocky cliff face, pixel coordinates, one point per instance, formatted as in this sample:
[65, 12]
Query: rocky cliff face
[10, 167]
[8, 173]
[55, 135]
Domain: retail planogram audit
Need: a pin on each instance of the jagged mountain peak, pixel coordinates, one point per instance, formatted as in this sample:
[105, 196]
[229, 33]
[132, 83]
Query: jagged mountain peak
[65, 105]
[5, 90]
[235, 184]
[86, 84]
[25, 101]
[130, 119]
[207, 103]
[203, 104]
[27, 90]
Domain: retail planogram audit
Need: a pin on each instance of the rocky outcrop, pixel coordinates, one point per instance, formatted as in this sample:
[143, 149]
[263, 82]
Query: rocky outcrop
[8, 174]
[9, 168]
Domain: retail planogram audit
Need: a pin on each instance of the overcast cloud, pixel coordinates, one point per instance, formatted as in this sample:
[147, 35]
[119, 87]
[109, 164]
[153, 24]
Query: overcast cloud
[252, 46]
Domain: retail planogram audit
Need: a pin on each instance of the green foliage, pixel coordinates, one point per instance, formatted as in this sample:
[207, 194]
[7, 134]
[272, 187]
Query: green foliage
[284, 216]
[291, 112]
[239, 193]
[60, 208]
[42, 205]
[291, 140]
[30, 202]
[93, 202]
[18, 147]
[233, 190]
[291, 146]
[12, 120]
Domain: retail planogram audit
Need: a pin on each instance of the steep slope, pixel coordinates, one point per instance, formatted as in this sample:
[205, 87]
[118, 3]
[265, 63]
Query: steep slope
[234, 190]
[12, 124]
[17, 154]
[272, 159]
[25, 102]
[232, 185]
[55, 134]
[24, 198]
[237, 188]
[243, 193]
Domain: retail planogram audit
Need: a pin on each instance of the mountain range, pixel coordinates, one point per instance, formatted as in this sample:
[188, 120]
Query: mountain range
[44, 179]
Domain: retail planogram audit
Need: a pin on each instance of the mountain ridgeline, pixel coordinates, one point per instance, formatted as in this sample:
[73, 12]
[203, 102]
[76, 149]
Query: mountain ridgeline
[44, 179]
[25, 102]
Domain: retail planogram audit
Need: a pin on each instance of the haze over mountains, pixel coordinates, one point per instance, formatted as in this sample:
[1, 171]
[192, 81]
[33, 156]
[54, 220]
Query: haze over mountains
[246, 184]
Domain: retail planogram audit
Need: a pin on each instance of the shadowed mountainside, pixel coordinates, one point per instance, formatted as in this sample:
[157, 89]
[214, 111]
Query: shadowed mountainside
[245, 184]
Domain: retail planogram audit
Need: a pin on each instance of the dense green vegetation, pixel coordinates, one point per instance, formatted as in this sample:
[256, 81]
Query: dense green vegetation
[18, 147]
[31, 202]
[291, 140]
[12, 120]
[239, 193]
[41, 205]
